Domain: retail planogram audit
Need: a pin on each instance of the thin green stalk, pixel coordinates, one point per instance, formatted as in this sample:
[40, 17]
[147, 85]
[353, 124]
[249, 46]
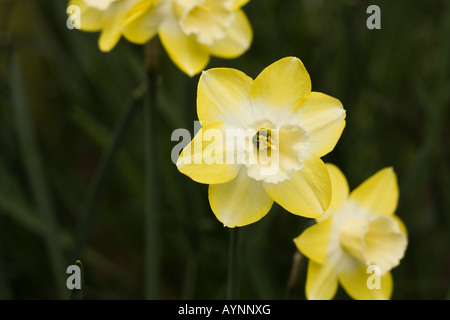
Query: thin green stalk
[293, 276]
[151, 223]
[90, 204]
[233, 264]
[35, 172]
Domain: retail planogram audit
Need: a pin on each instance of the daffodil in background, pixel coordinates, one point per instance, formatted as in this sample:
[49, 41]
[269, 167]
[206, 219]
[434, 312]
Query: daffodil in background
[359, 230]
[105, 16]
[191, 30]
[286, 119]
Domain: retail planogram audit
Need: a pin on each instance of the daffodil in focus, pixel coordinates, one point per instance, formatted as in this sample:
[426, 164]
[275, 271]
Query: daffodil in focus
[261, 141]
[191, 30]
[358, 239]
[105, 16]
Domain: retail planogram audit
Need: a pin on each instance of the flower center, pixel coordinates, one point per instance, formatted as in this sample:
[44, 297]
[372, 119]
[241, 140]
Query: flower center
[262, 140]
[276, 152]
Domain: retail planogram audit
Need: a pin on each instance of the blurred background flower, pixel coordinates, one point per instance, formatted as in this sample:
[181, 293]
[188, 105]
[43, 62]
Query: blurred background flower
[358, 230]
[190, 31]
[105, 16]
[393, 83]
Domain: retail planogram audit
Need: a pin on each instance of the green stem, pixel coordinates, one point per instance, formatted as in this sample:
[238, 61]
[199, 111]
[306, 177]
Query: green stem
[90, 204]
[35, 174]
[233, 264]
[151, 220]
[293, 276]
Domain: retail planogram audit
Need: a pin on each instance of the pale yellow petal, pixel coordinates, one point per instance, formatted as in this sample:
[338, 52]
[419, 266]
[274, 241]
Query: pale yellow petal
[99, 4]
[307, 193]
[314, 241]
[280, 89]
[239, 202]
[189, 55]
[237, 41]
[206, 159]
[90, 17]
[224, 95]
[362, 283]
[111, 30]
[378, 194]
[143, 20]
[239, 4]
[323, 118]
[108, 38]
[339, 190]
[321, 281]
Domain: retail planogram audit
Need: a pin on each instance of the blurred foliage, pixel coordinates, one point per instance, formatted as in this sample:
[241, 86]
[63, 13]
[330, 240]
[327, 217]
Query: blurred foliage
[61, 99]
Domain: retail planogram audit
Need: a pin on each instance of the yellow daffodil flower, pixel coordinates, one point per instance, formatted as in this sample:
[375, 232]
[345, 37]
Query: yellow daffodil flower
[287, 128]
[358, 231]
[105, 16]
[191, 30]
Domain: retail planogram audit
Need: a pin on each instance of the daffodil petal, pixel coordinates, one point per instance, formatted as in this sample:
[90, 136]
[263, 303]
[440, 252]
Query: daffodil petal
[206, 160]
[99, 4]
[323, 117]
[280, 89]
[239, 202]
[111, 31]
[339, 193]
[361, 284]
[308, 191]
[321, 281]
[143, 20]
[239, 4]
[224, 95]
[90, 18]
[190, 56]
[314, 241]
[378, 194]
[108, 38]
[237, 41]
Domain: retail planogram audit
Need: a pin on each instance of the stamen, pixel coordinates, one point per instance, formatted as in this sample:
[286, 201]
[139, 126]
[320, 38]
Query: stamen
[263, 140]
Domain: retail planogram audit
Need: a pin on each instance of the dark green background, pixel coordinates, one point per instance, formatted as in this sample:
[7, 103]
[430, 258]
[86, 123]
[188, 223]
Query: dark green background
[394, 84]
